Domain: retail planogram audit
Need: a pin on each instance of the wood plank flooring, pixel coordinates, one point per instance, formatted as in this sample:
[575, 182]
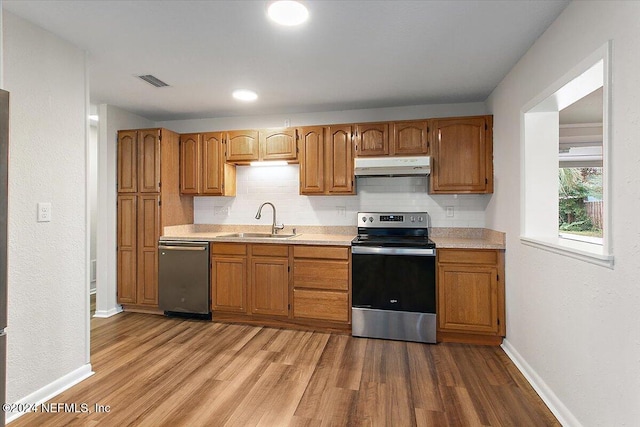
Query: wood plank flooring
[155, 371]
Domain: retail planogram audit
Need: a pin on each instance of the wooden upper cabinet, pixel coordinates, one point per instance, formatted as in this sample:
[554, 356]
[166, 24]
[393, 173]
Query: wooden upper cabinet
[311, 143]
[213, 164]
[190, 160]
[149, 161]
[326, 160]
[372, 139]
[410, 138]
[278, 144]
[203, 170]
[339, 160]
[242, 146]
[128, 161]
[462, 155]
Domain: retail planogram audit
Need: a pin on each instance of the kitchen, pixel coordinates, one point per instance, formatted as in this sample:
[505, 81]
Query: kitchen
[547, 302]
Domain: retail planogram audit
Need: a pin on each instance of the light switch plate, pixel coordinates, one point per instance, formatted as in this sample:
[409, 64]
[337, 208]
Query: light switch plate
[44, 212]
[449, 211]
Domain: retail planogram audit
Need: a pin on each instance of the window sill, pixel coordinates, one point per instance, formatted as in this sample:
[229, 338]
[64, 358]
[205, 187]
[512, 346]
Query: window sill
[583, 251]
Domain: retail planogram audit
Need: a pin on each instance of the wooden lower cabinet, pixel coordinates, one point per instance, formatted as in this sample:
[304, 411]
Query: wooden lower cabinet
[322, 283]
[282, 285]
[250, 279]
[471, 296]
[229, 282]
[270, 280]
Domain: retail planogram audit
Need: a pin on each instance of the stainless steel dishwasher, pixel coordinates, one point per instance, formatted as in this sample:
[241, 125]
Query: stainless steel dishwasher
[183, 278]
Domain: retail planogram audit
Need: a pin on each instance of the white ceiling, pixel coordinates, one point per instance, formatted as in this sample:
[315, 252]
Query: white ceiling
[349, 55]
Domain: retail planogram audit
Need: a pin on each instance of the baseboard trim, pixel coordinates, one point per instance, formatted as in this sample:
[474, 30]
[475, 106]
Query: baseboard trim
[555, 405]
[108, 313]
[52, 389]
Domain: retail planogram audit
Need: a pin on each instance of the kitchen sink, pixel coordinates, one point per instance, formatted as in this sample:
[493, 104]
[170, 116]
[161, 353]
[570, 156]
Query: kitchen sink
[259, 236]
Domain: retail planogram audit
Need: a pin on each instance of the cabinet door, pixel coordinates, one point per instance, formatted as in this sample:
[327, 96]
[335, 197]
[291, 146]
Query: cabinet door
[468, 298]
[339, 160]
[462, 157]
[149, 161]
[229, 284]
[127, 244]
[372, 139]
[127, 161]
[410, 138]
[270, 286]
[190, 163]
[278, 144]
[311, 160]
[212, 163]
[242, 146]
[148, 235]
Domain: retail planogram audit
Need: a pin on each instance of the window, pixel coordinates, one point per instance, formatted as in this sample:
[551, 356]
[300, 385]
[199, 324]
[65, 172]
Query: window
[565, 140]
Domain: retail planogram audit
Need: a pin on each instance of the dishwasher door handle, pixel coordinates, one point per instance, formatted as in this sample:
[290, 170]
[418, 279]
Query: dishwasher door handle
[183, 248]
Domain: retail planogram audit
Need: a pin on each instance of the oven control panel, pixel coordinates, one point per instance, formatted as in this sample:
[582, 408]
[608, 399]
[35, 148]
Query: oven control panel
[395, 219]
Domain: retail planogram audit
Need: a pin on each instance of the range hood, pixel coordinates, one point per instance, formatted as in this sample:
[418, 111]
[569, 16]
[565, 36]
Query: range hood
[392, 166]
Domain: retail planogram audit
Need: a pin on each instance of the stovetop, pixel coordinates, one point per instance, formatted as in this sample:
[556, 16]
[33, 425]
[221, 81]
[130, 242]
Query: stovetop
[393, 229]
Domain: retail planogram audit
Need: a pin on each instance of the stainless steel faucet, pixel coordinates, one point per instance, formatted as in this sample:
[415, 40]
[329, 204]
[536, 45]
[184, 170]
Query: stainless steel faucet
[275, 227]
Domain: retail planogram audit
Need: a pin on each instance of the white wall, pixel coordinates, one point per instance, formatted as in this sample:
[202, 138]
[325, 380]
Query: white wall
[48, 306]
[111, 119]
[573, 326]
[280, 185]
[93, 201]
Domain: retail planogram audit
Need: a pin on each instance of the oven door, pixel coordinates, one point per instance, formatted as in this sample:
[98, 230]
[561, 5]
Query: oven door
[400, 279]
[394, 293]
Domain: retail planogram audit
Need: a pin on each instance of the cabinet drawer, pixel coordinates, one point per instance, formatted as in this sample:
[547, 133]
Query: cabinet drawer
[324, 252]
[468, 256]
[270, 250]
[321, 274]
[228, 249]
[321, 305]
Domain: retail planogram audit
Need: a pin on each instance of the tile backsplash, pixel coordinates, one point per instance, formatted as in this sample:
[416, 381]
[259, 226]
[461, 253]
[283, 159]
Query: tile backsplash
[280, 185]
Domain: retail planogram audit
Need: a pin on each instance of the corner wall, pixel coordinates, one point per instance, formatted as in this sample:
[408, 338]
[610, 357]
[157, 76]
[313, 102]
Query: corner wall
[573, 326]
[48, 305]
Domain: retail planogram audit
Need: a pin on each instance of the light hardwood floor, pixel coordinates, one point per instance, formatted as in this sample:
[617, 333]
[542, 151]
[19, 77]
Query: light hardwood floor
[155, 371]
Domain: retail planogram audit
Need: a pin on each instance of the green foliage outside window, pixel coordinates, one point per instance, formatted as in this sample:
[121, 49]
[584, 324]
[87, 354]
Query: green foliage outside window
[576, 186]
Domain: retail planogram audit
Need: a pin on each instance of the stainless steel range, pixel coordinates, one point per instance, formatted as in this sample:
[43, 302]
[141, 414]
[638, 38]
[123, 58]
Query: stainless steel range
[394, 277]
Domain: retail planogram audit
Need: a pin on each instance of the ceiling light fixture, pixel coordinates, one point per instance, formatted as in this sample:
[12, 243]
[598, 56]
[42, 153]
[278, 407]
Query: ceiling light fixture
[245, 95]
[288, 12]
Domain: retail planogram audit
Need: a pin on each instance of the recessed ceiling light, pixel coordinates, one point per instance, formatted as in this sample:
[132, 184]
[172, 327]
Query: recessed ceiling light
[288, 12]
[245, 95]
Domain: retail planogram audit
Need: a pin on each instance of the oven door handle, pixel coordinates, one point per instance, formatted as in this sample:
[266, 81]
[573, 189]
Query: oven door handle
[372, 250]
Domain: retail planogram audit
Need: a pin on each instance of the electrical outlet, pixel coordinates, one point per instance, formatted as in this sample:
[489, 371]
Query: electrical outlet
[44, 212]
[287, 123]
[223, 211]
[341, 210]
[449, 210]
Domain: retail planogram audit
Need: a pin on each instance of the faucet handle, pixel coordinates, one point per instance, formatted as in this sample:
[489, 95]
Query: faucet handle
[279, 226]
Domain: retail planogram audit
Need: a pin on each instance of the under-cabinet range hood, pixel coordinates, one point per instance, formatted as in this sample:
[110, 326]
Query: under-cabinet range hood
[392, 166]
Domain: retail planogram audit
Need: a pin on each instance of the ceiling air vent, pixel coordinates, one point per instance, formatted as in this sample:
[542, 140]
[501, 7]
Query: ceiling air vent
[152, 80]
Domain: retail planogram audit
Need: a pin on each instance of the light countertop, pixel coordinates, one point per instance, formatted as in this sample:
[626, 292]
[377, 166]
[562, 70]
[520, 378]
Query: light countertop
[444, 237]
